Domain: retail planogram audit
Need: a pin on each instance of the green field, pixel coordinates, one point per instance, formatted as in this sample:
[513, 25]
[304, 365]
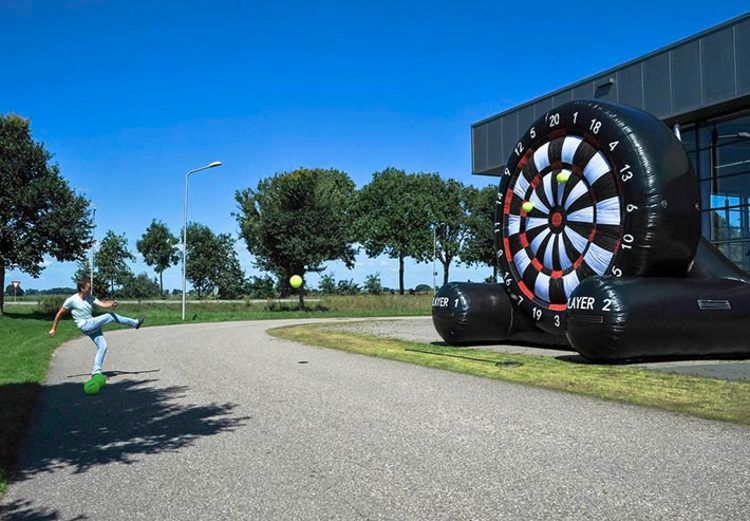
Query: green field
[26, 348]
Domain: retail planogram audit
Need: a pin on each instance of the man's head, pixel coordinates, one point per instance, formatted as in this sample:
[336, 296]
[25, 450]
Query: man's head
[84, 286]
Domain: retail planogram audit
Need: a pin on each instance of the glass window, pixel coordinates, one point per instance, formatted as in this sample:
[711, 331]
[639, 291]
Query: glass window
[703, 152]
[687, 136]
[735, 187]
[721, 152]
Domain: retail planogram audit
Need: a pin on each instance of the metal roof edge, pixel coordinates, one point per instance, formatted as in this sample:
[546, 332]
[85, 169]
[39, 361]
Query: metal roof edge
[706, 32]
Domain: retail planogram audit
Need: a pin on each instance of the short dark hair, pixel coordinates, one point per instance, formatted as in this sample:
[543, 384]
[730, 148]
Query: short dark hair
[81, 283]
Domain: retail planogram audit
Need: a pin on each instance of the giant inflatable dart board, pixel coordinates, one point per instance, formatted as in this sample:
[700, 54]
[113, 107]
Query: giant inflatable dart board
[592, 188]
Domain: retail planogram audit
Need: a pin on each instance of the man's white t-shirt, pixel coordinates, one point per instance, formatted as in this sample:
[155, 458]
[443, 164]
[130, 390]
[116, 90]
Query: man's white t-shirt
[80, 308]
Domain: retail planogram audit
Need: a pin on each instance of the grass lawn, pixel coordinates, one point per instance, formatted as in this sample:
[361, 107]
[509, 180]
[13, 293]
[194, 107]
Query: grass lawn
[705, 397]
[26, 348]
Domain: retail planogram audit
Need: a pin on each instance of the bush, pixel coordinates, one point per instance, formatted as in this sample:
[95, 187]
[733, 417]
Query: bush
[347, 287]
[259, 287]
[327, 285]
[50, 305]
[140, 287]
[373, 285]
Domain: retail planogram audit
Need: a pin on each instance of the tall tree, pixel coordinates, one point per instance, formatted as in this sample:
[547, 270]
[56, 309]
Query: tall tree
[295, 221]
[140, 287]
[230, 278]
[159, 249]
[110, 261]
[479, 248]
[212, 262]
[39, 213]
[451, 220]
[395, 212]
[201, 263]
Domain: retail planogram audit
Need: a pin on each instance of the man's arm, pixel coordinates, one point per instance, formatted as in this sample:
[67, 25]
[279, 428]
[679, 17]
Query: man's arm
[107, 304]
[60, 313]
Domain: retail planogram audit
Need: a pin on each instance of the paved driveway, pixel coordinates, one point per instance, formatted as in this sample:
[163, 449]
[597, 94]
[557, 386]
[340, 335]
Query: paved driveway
[220, 421]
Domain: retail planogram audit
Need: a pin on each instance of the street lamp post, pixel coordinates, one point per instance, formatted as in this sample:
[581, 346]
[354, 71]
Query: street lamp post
[184, 229]
[434, 255]
[91, 256]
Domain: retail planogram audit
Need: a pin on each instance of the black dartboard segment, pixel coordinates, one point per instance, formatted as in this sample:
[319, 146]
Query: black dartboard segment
[592, 188]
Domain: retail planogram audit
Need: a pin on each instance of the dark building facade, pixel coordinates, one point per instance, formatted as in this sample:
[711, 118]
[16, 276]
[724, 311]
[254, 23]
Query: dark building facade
[699, 86]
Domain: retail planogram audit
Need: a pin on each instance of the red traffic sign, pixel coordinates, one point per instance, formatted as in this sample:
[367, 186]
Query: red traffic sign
[15, 283]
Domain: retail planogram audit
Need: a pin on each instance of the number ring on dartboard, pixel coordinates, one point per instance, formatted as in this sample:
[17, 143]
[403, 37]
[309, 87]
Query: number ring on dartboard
[561, 219]
[592, 189]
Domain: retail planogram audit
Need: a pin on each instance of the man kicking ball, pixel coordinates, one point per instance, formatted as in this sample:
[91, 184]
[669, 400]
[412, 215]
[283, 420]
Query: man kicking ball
[80, 305]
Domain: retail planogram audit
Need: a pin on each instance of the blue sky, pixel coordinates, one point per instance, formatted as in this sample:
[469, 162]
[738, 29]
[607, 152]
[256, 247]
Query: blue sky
[131, 95]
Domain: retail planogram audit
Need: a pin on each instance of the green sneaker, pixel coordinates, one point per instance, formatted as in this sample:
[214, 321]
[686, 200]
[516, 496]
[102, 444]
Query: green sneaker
[91, 387]
[100, 379]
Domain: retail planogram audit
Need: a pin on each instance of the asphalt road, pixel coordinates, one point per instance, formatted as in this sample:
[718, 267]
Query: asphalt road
[220, 421]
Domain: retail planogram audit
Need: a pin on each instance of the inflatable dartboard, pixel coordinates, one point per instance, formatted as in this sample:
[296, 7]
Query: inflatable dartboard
[592, 188]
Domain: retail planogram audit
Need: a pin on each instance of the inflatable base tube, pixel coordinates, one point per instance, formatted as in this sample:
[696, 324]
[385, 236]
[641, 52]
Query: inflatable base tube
[618, 319]
[466, 313]
[469, 313]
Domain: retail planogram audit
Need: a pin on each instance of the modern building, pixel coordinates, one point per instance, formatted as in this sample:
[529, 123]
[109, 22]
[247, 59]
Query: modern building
[700, 86]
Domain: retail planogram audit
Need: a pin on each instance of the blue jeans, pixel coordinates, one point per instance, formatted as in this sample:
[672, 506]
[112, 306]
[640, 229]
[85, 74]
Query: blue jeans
[93, 329]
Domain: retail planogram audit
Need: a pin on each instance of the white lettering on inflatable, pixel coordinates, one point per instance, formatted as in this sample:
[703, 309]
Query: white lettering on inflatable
[627, 175]
[440, 302]
[582, 303]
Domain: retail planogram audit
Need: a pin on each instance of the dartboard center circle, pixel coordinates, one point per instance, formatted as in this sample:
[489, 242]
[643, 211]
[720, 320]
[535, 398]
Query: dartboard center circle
[557, 220]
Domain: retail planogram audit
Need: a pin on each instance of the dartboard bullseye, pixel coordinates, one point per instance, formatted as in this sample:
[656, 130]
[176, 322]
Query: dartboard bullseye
[577, 199]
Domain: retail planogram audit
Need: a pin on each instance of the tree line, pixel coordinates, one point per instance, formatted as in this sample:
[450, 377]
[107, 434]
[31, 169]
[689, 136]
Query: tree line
[292, 223]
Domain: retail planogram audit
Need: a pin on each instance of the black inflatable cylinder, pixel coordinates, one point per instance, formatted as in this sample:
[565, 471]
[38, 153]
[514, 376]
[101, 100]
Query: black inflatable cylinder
[472, 313]
[616, 319]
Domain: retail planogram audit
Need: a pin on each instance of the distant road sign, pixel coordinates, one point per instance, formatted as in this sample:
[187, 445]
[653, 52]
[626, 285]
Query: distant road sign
[15, 283]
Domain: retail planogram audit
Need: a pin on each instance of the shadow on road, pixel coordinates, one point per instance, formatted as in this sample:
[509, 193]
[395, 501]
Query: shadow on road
[22, 510]
[127, 420]
[110, 374]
